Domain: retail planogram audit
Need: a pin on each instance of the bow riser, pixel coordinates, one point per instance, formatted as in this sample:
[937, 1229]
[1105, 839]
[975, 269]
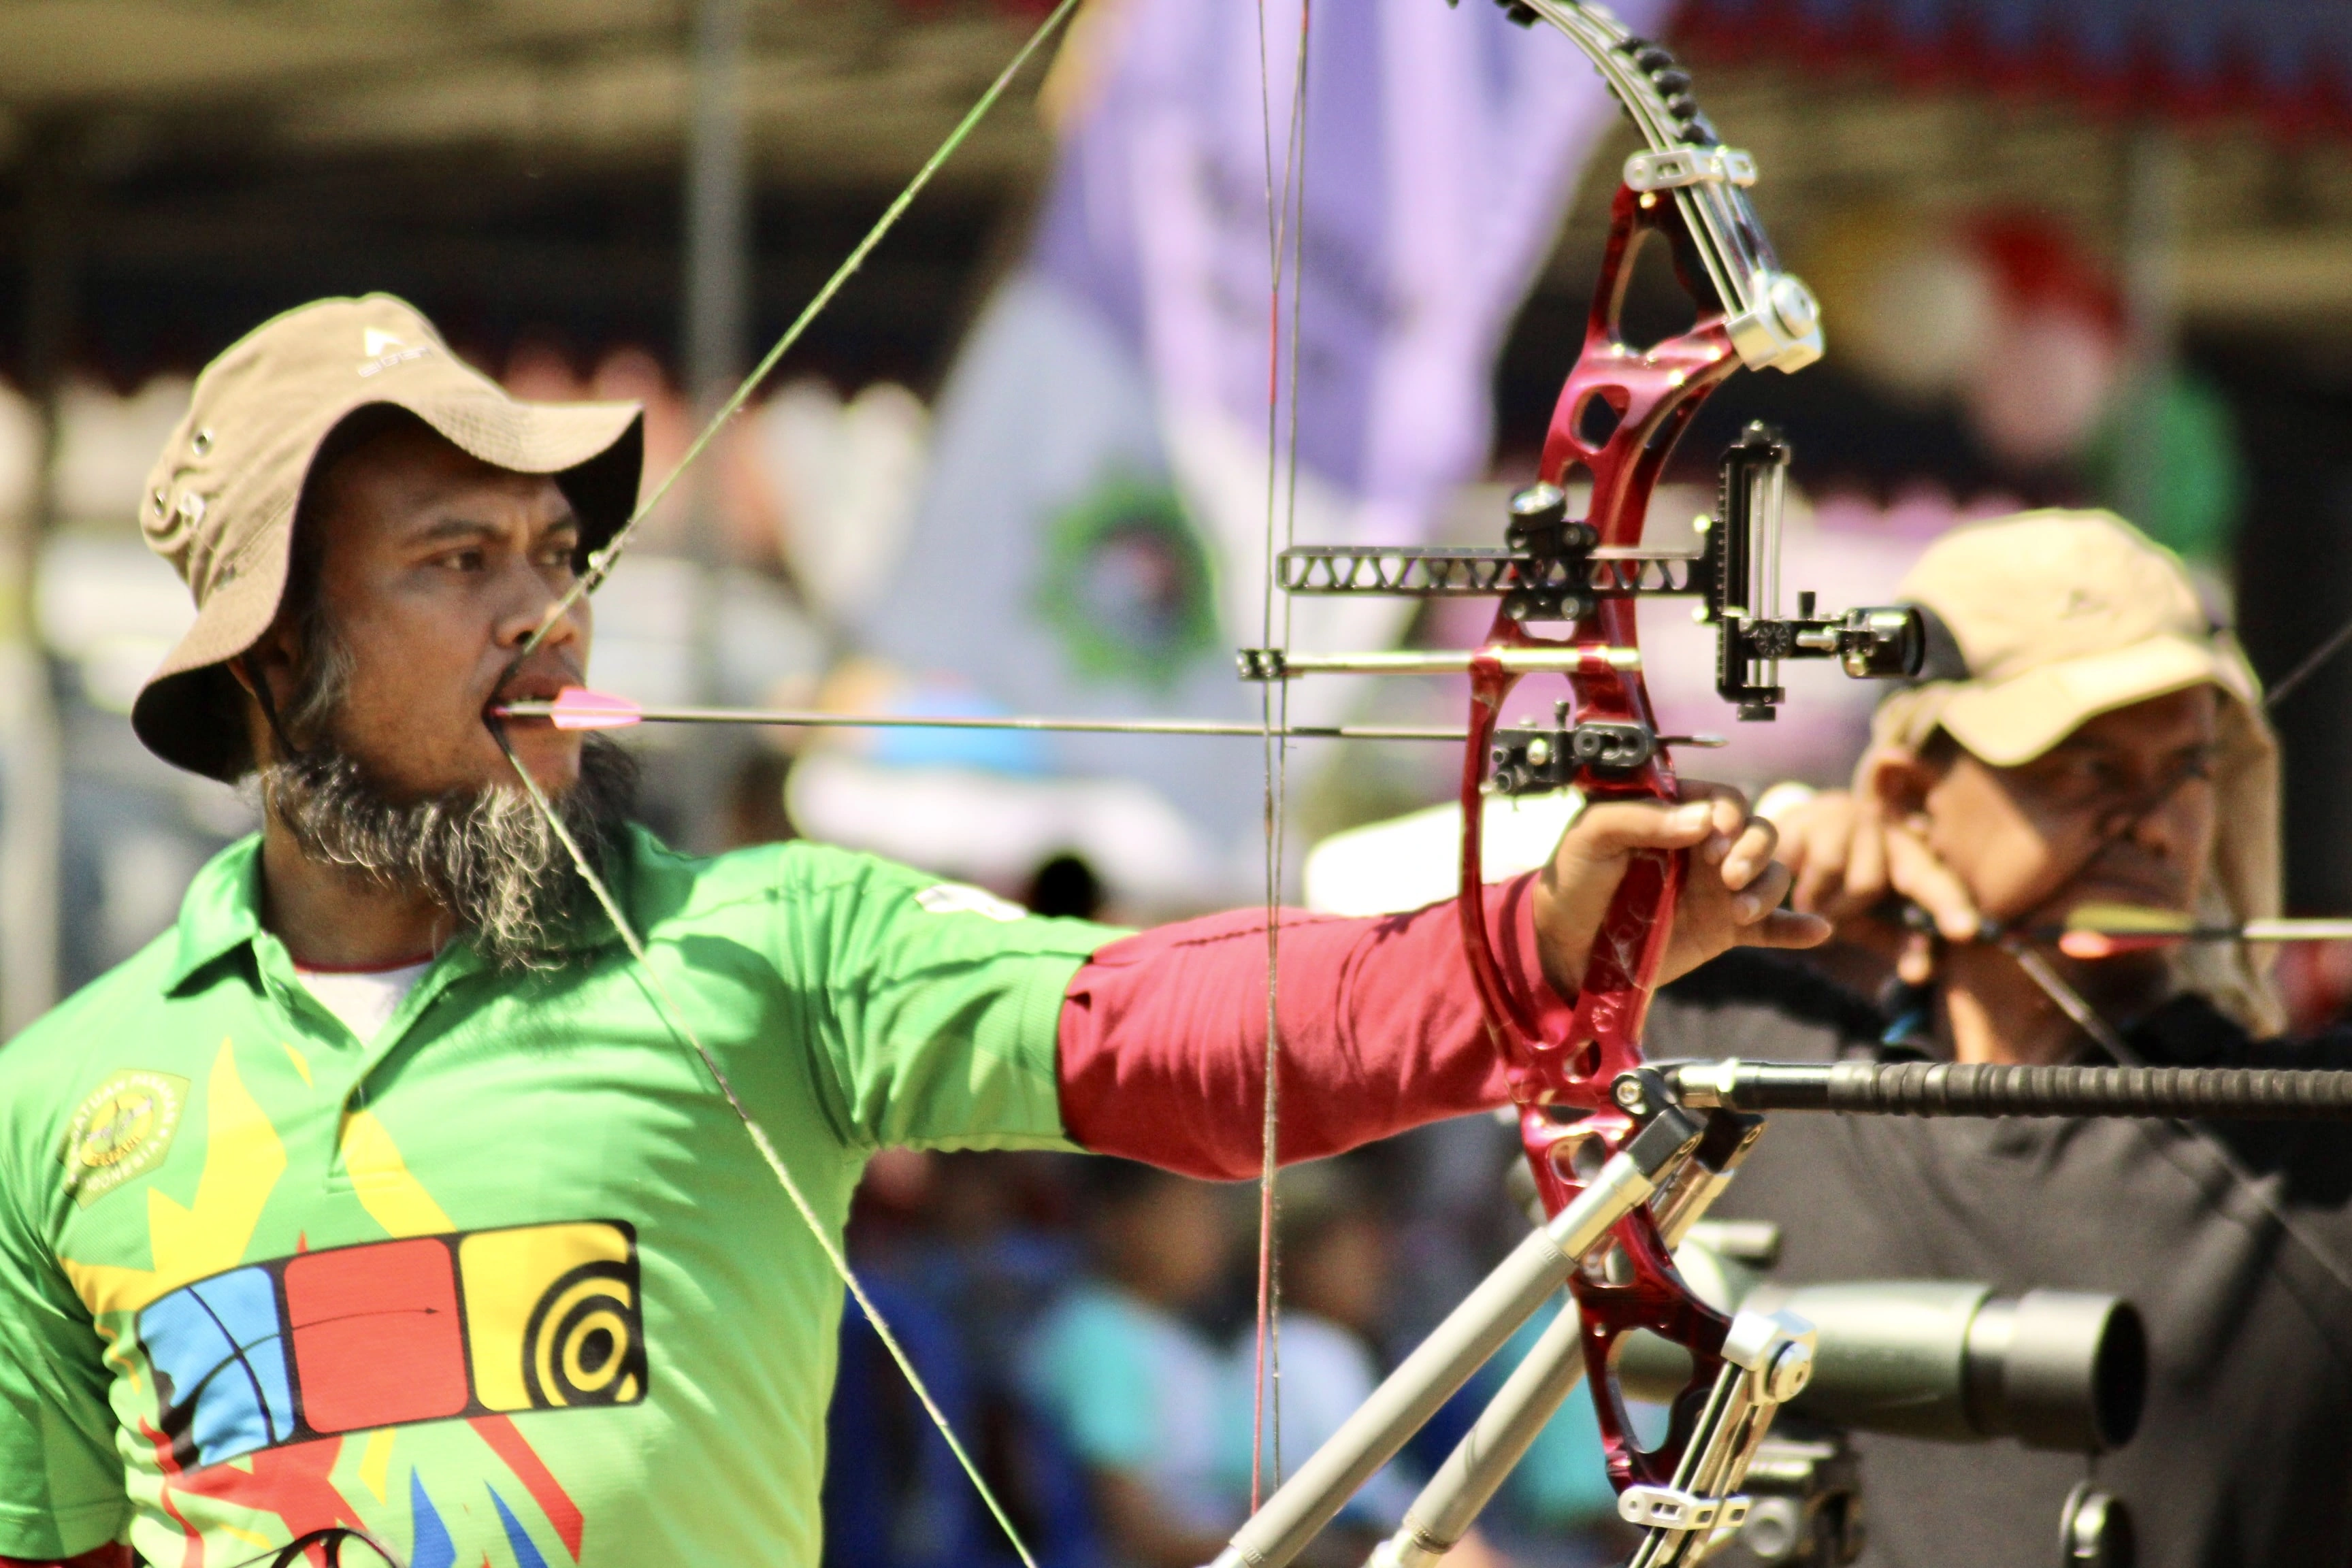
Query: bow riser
[1566, 1064]
[1651, 395]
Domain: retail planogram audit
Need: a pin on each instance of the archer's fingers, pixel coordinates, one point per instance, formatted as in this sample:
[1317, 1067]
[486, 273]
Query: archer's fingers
[1763, 895]
[1916, 964]
[1614, 828]
[1865, 857]
[1731, 830]
[1916, 872]
[1749, 854]
[1786, 928]
[1816, 838]
[1819, 865]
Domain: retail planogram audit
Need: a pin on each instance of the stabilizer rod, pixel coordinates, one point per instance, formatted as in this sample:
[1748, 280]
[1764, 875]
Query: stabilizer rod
[1957, 1088]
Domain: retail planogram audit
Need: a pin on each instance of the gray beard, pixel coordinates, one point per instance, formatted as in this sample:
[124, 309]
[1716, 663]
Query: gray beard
[486, 855]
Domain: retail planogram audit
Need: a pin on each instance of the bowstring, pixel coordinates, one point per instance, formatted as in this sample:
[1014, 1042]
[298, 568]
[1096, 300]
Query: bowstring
[600, 567]
[2310, 666]
[2107, 1037]
[1285, 216]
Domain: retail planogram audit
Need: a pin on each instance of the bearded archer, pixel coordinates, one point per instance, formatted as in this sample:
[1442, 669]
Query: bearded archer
[379, 1196]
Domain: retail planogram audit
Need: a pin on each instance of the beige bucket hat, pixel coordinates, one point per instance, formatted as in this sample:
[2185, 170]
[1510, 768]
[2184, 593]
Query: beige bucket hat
[2051, 618]
[219, 504]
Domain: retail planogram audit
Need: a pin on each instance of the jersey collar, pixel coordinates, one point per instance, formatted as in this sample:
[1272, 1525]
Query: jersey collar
[222, 911]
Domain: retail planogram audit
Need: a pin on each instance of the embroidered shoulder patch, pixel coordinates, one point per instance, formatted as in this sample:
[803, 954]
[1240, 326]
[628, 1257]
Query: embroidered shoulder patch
[124, 1128]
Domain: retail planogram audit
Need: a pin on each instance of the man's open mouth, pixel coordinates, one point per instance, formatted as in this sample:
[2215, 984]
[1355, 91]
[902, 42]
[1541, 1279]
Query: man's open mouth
[532, 690]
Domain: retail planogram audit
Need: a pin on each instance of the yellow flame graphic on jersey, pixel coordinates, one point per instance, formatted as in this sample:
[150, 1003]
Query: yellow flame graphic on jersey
[243, 1161]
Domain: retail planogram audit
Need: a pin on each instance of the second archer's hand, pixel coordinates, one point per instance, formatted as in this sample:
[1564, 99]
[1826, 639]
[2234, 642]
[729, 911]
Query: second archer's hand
[1850, 854]
[1730, 896]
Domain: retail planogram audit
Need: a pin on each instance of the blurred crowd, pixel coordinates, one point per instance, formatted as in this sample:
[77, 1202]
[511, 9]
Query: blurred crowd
[1091, 1324]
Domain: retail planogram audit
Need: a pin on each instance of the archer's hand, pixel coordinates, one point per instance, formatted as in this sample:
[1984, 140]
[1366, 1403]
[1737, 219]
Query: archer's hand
[1849, 856]
[1730, 896]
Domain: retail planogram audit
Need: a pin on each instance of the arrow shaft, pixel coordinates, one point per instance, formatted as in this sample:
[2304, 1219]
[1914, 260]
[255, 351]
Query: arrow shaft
[2099, 941]
[805, 719]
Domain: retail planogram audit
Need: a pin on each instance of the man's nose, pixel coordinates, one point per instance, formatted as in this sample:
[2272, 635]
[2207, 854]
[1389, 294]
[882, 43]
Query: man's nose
[2161, 829]
[532, 601]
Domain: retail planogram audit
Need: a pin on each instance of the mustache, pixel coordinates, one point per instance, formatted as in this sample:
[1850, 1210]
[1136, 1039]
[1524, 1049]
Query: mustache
[2125, 864]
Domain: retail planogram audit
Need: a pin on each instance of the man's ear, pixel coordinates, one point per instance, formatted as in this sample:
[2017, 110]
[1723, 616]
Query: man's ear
[274, 657]
[272, 661]
[1896, 780]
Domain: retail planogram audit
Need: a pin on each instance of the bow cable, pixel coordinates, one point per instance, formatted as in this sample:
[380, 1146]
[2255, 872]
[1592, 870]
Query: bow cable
[600, 566]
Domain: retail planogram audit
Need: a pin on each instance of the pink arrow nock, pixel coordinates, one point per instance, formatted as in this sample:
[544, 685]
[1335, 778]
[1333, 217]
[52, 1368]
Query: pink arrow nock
[2107, 945]
[577, 708]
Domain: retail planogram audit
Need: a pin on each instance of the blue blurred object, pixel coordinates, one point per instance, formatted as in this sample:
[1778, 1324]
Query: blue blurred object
[1012, 752]
[894, 1495]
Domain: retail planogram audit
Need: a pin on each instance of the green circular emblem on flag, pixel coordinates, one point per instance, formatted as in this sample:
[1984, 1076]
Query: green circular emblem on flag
[1128, 583]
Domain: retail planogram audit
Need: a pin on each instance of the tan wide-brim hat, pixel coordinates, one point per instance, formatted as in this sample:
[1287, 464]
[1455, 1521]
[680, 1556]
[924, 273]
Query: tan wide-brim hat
[2046, 620]
[2056, 617]
[219, 504]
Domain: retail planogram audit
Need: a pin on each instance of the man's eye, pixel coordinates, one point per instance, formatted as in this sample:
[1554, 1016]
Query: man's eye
[2075, 770]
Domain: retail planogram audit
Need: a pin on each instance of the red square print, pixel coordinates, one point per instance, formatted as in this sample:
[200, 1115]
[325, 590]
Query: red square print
[377, 1339]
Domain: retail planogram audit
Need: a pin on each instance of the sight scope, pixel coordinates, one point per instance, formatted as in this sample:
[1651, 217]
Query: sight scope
[1946, 1360]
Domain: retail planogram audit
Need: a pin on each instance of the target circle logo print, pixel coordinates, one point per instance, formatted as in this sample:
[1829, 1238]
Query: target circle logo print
[122, 1129]
[582, 1340]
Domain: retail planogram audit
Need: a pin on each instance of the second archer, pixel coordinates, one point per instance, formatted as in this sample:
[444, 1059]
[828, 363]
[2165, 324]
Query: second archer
[2082, 736]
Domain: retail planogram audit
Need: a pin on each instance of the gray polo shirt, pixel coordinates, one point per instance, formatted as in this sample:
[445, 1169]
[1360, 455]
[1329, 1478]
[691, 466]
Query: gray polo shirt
[2244, 1455]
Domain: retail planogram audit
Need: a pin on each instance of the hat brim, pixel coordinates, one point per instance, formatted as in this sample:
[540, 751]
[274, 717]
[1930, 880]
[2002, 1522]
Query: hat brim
[2015, 721]
[188, 712]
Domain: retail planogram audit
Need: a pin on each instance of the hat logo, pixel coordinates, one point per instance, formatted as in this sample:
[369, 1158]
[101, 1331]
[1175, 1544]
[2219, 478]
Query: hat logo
[381, 350]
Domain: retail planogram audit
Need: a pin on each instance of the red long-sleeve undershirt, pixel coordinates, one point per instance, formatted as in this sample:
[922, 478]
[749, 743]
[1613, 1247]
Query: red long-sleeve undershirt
[1163, 1038]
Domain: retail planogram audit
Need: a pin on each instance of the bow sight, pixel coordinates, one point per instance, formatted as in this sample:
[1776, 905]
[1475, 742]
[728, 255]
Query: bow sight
[1743, 593]
[1553, 567]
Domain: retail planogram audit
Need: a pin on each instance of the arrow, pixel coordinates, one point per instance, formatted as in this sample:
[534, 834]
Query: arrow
[578, 707]
[2103, 931]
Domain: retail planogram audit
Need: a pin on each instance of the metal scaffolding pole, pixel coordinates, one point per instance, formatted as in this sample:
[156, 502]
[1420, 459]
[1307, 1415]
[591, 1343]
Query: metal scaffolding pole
[718, 269]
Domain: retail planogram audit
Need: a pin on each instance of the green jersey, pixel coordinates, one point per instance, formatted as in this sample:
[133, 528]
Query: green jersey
[508, 1282]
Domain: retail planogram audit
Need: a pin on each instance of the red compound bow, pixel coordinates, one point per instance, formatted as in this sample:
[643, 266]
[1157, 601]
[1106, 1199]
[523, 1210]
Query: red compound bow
[1619, 415]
